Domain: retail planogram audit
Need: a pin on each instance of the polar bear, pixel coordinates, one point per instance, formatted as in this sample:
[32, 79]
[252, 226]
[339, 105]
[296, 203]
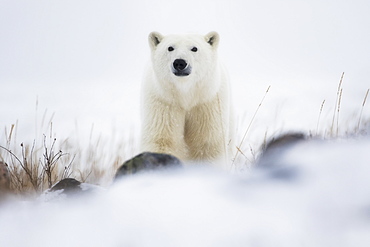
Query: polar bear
[186, 104]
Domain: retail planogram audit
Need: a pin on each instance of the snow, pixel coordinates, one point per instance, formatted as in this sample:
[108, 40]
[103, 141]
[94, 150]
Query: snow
[81, 64]
[324, 203]
[72, 69]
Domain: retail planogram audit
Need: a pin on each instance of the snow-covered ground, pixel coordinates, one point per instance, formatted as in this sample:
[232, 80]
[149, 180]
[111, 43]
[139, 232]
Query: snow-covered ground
[315, 194]
[80, 63]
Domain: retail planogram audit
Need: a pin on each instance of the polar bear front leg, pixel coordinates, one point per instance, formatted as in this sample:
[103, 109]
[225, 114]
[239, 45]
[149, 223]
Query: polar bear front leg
[205, 131]
[163, 129]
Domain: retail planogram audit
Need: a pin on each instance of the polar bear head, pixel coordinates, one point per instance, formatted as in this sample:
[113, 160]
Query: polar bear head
[189, 57]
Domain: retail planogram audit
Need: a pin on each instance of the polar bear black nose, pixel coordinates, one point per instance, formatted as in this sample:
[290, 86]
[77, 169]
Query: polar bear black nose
[180, 64]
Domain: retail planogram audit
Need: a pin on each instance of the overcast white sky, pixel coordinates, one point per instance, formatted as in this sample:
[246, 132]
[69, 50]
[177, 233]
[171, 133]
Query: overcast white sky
[83, 60]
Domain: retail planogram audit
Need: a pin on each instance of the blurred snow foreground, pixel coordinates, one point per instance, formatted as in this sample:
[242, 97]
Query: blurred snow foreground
[314, 193]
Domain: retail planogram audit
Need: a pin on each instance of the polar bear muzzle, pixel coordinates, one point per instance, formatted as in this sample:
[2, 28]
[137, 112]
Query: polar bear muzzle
[181, 68]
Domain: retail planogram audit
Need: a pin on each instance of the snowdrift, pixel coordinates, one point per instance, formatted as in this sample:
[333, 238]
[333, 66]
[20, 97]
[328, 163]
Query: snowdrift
[316, 193]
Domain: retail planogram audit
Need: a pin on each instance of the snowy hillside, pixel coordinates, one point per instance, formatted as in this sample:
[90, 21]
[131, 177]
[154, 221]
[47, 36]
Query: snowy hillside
[315, 194]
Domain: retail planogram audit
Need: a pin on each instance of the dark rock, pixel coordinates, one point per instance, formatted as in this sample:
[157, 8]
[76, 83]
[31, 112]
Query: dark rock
[276, 146]
[284, 141]
[271, 159]
[69, 188]
[147, 161]
[68, 185]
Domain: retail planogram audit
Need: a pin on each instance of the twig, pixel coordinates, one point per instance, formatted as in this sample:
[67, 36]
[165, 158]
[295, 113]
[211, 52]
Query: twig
[67, 169]
[50, 159]
[24, 165]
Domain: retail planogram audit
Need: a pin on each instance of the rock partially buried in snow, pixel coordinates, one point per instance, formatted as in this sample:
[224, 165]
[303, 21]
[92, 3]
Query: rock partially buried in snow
[68, 187]
[277, 147]
[271, 157]
[147, 161]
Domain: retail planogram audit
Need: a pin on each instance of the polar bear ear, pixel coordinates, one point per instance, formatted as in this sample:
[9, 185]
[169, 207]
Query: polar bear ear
[154, 39]
[213, 39]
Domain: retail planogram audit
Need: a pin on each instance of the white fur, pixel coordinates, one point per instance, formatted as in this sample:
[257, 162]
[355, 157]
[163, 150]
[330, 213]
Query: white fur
[189, 116]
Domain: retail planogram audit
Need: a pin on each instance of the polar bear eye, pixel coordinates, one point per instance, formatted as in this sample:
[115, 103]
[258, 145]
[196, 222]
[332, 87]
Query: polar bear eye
[170, 48]
[194, 49]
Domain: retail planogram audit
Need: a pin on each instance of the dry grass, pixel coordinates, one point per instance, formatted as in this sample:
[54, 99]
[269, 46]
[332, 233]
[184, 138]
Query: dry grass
[331, 131]
[362, 109]
[337, 108]
[318, 120]
[239, 147]
[37, 166]
[334, 130]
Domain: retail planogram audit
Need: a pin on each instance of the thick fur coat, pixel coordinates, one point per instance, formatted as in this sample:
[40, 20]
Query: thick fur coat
[186, 105]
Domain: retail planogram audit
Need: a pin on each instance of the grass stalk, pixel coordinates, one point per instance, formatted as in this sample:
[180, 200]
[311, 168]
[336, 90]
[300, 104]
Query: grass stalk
[336, 104]
[338, 109]
[362, 108]
[318, 120]
[249, 126]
